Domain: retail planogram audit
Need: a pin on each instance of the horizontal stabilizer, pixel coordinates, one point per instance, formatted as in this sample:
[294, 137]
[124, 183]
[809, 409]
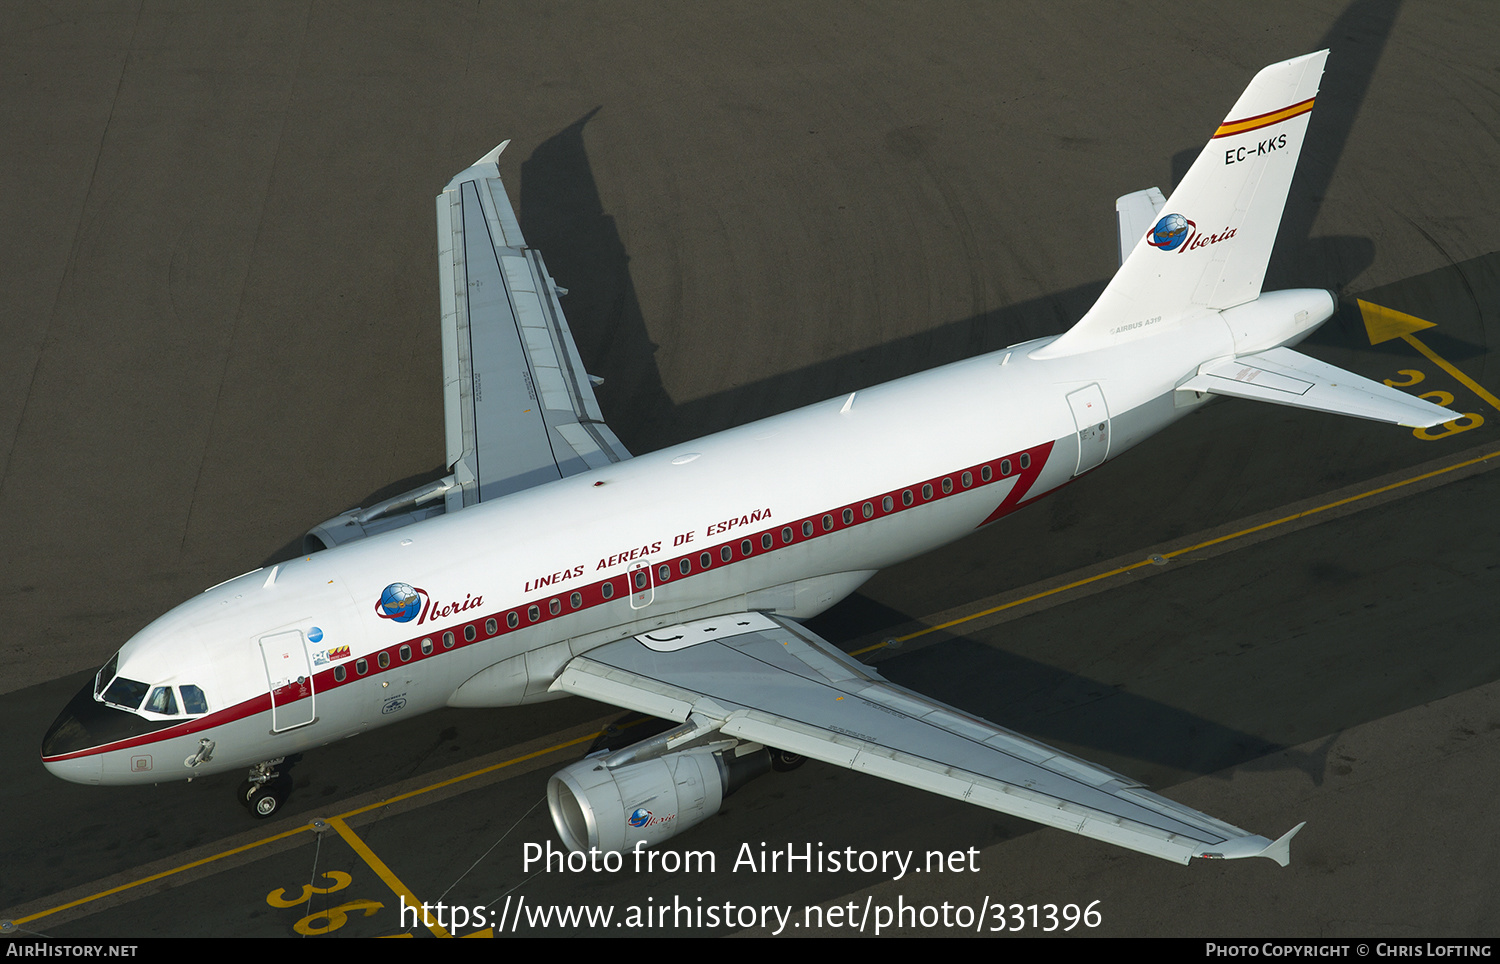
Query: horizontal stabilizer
[1286, 377]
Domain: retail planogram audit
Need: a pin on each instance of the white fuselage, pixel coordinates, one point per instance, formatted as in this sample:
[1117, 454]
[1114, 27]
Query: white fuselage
[788, 515]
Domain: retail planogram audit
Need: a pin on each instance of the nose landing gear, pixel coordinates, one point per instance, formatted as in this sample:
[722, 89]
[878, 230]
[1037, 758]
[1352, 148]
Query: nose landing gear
[265, 789]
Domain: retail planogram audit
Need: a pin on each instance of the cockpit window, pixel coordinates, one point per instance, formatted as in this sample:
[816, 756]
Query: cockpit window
[106, 673]
[129, 694]
[162, 701]
[126, 693]
[193, 701]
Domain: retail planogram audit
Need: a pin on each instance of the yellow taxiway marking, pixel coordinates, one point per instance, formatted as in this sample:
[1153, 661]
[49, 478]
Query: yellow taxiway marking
[1384, 324]
[158, 876]
[1153, 560]
[385, 874]
[335, 821]
[339, 820]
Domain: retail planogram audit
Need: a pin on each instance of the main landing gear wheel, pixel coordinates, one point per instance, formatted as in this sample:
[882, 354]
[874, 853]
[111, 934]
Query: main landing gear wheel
[784, 761]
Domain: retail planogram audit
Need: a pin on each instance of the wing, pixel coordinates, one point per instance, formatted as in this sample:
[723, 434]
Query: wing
[770, 681]
[519, 407]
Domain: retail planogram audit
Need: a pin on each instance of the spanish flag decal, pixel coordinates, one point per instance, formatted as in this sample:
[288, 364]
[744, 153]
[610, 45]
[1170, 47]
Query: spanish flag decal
[1263, 120]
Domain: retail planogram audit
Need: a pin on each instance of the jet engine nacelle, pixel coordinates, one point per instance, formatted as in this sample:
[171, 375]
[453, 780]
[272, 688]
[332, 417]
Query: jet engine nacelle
[596, 807]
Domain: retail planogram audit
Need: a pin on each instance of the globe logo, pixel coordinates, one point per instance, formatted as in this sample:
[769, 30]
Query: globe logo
[640, 818]
[1169, 232]
[400, 602]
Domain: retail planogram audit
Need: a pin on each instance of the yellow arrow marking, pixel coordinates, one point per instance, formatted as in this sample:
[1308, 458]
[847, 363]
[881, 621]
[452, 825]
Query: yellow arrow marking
[1383, 324]
[384, 873]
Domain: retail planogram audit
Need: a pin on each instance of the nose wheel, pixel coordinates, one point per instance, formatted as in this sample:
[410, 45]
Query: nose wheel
[265, 789]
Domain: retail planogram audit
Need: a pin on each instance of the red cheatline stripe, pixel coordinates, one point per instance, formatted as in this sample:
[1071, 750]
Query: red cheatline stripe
[1263, 120]
[817, 526]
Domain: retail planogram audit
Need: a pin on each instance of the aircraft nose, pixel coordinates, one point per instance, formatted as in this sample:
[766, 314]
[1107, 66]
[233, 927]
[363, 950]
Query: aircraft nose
[85, 724]
[88, 768]
[68, 735]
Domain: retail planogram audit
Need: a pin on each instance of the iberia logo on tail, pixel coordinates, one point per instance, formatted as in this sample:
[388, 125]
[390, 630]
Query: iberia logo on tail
[1176, 233]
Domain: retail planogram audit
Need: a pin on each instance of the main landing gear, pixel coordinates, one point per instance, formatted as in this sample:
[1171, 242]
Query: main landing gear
[265, 789]
[783, 761]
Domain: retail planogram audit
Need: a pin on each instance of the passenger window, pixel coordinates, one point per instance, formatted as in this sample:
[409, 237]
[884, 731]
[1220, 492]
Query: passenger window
[470, 633]
[512, 619]
[685, 566]
[491, 626]
[555, 606]
[361, 667]
[766, 541]
[926, 491]
[848, 517]
[640, 579]
[726, 553]
[427, 646]
[906, 498]
[447, 640]
[576, 600]
[338, 677]
[1005, 466]
[384, 659]
[533, 613]
[1025, 460]
[705, 560]
[786, 535]
[807, 528]
[985, 474]
[947, 486]
[967, 479]
[827, 523]
[887, 504]
[746, 547]
[405, 652]
[607, 590]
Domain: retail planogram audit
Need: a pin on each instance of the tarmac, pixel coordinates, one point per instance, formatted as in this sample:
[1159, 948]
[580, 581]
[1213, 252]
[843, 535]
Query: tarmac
[219, 303]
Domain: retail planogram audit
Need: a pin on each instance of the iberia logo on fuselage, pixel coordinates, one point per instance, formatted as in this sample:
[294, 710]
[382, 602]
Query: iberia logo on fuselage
[402, 603]
[1176, 233]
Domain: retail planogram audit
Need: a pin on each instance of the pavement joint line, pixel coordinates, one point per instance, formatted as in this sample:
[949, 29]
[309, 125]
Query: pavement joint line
[1444, 467]
[593, 734]
[1239, 529]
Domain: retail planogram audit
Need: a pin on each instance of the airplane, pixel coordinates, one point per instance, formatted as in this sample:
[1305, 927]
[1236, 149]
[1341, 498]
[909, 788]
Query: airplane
[552, 562]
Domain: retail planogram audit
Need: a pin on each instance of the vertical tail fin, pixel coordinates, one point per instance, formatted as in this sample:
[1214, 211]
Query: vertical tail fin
[1210, 248]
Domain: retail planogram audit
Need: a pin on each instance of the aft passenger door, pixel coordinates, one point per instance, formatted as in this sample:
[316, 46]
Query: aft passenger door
[1091, 418]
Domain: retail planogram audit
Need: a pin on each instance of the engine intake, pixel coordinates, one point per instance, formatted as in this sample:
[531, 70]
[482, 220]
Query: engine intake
[598, 807]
